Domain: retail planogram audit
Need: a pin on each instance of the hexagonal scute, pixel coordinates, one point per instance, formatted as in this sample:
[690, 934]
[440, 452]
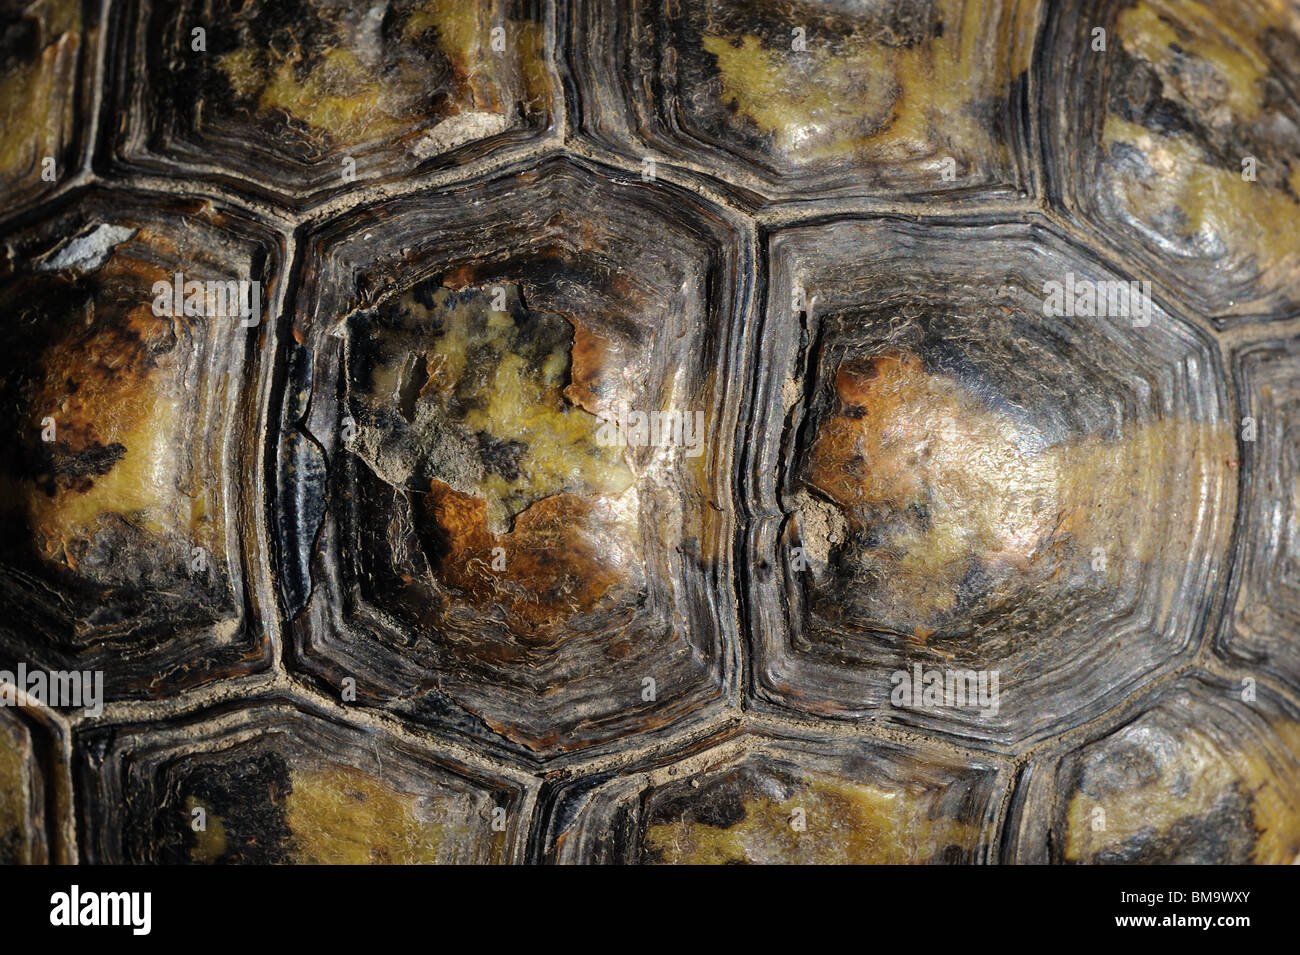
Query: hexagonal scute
[43, 51]
[521, 391]
[35, 790]
[1206, 772]
[301, 99]
[974, 516]
[275, 783]
[1181, 142]
[784, 801]
[131, 399]
[804, 99]
[1265, 619]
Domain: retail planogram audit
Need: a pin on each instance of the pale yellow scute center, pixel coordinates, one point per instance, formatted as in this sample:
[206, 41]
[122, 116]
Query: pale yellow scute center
[844, 823]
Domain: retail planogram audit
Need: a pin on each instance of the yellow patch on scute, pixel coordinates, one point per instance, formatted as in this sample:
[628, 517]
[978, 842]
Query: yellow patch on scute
[846, 823]
[209, 841]
[113, 381]
[354, 102]
[1210, 67]
[1252, 220]
[515, 400]
[15, 801]
[906, 440]
[36, 105]
[339, 815]
[1146, 31]
[1191, 785]
[338, 95]
[893, 103]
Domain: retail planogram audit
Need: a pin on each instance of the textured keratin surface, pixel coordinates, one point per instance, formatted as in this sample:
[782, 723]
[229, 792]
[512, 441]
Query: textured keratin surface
[642, 431]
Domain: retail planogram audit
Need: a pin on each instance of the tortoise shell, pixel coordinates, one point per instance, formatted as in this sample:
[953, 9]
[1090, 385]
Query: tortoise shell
[649, 431]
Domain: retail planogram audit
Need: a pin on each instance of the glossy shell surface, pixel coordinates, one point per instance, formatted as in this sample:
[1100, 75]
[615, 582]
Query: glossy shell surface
[660, 432]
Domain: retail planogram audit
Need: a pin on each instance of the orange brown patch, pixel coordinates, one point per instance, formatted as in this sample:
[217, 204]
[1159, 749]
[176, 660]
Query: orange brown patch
[564, 556]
